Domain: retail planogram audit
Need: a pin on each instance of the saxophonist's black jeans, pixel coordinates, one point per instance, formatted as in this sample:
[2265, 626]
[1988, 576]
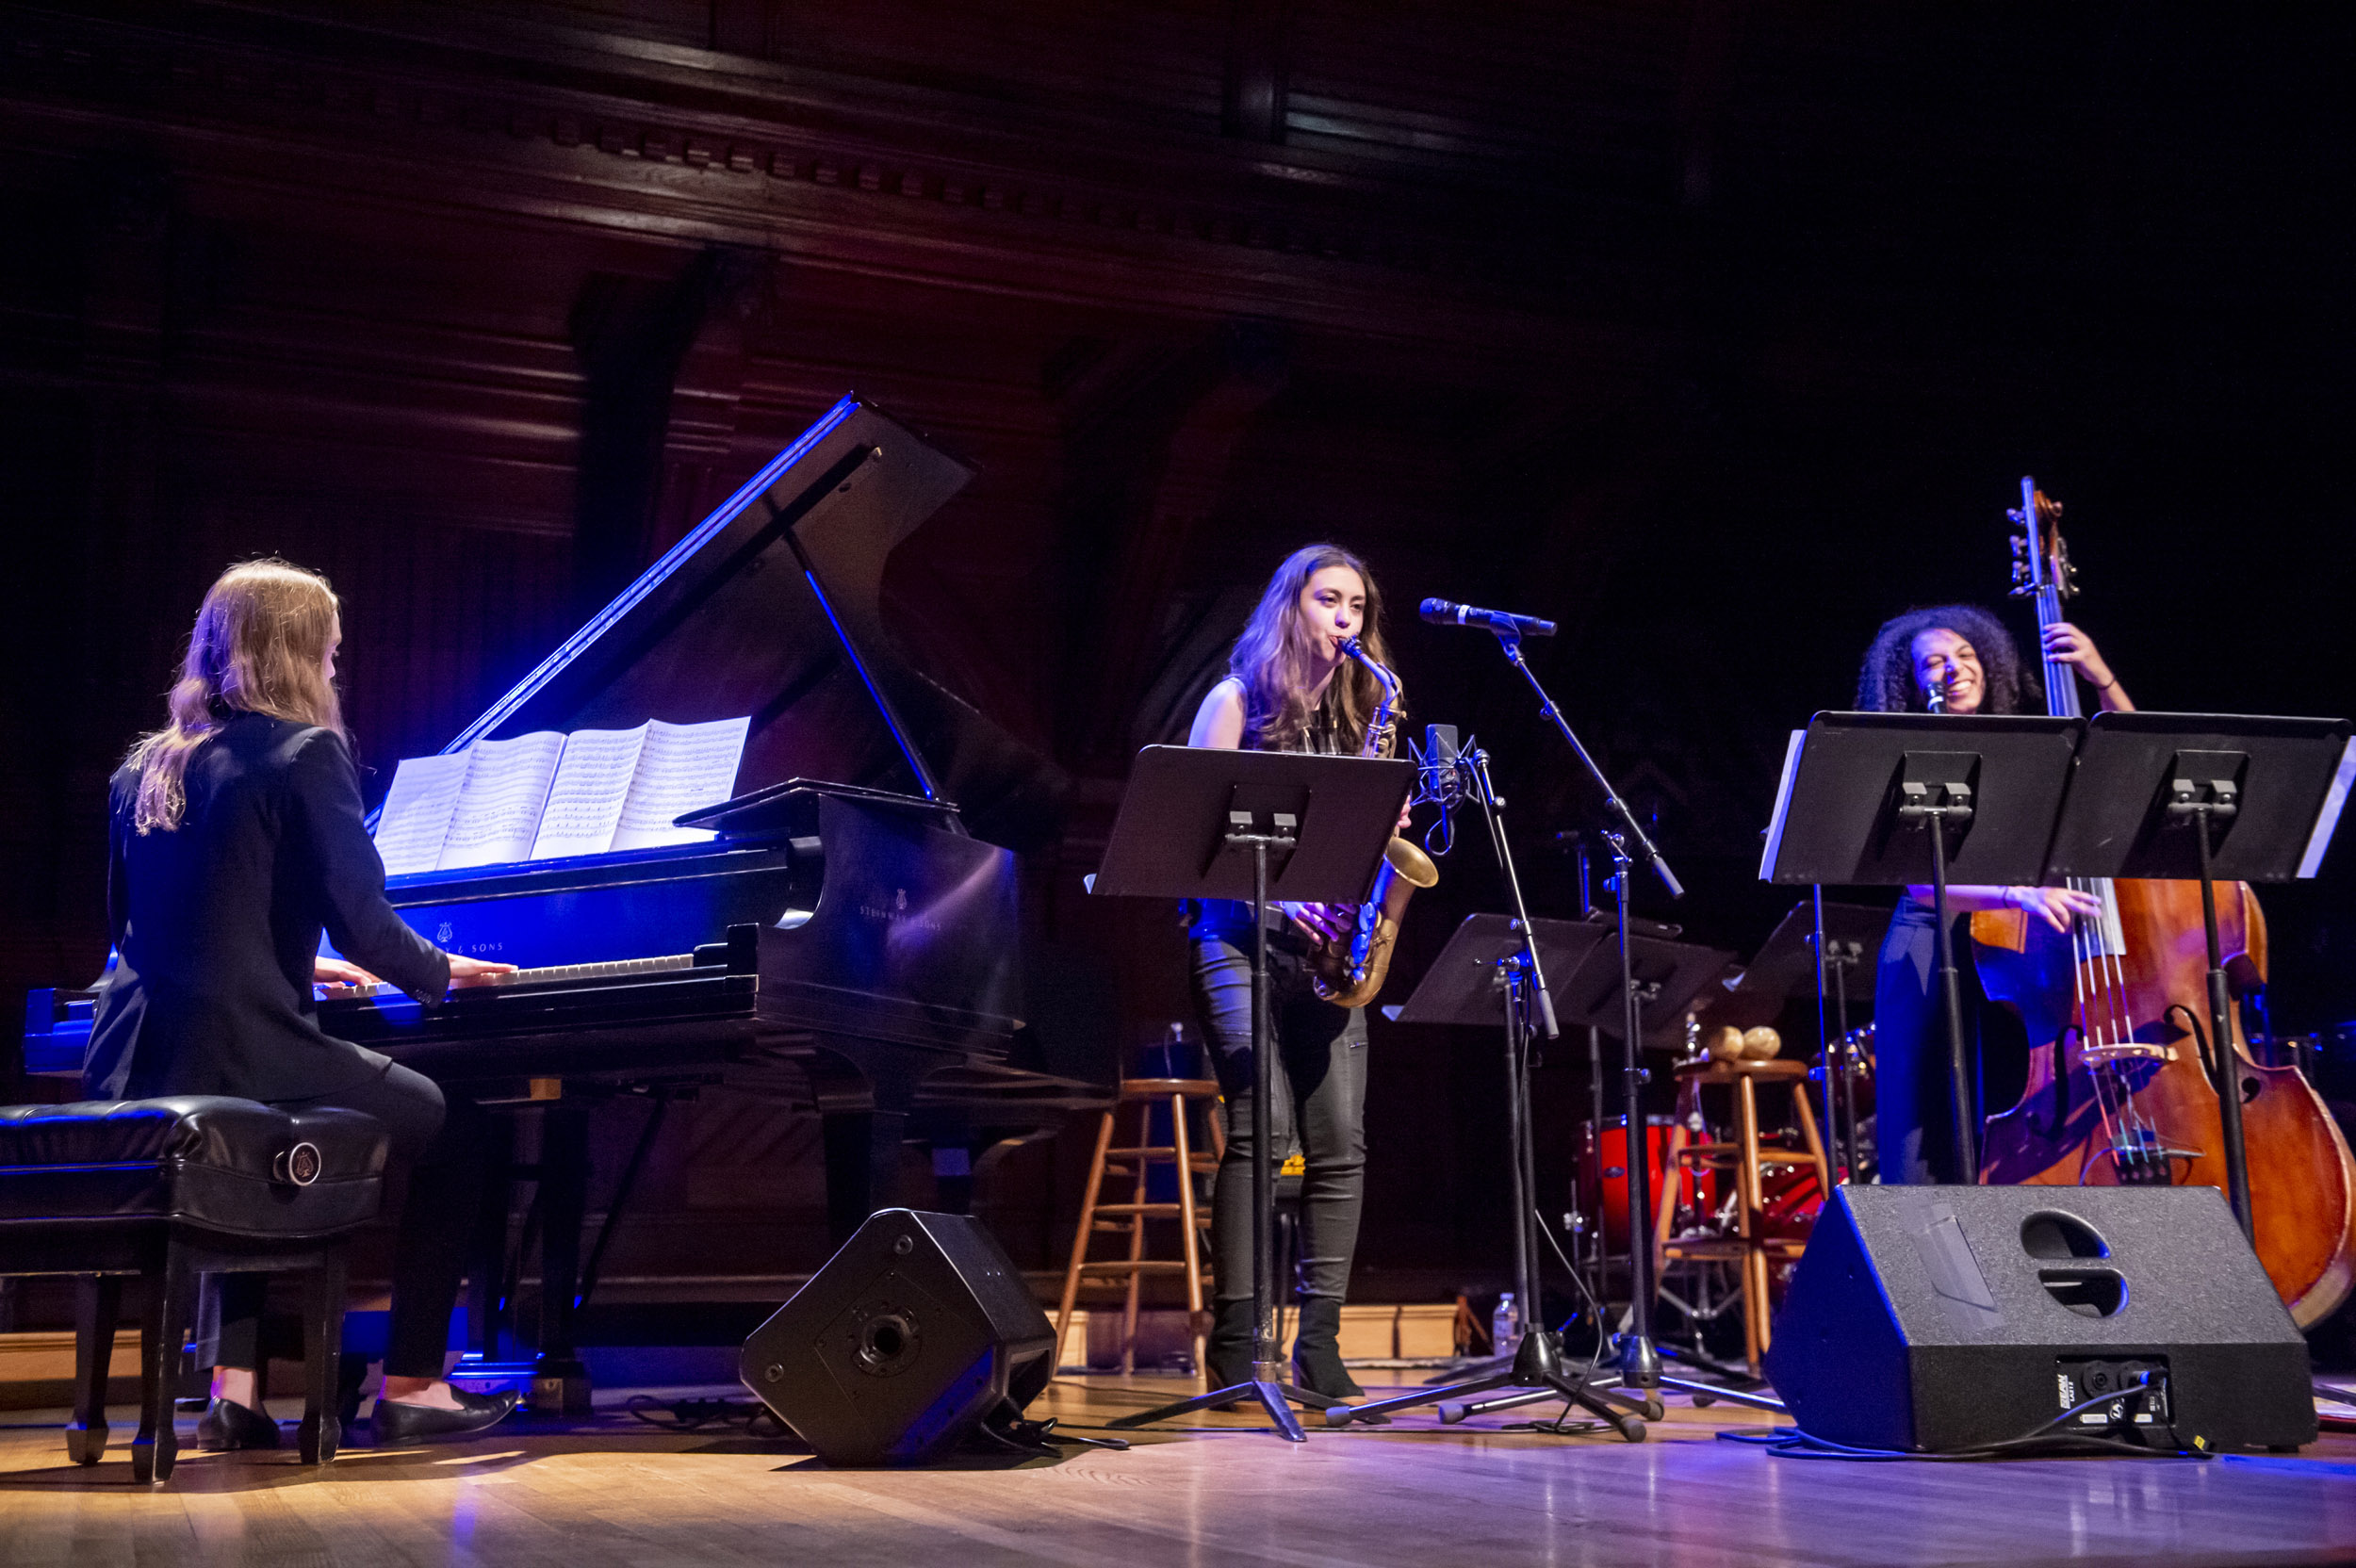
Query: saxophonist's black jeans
[1319, 1105]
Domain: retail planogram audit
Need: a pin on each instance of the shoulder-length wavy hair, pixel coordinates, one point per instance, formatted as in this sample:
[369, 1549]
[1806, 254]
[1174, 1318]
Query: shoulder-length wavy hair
[1278, 650]
[1885, 684]
[259, 647]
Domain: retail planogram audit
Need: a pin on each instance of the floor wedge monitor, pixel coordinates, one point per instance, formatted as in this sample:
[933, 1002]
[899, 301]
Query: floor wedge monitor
[916, 1331]
[1938, 1319]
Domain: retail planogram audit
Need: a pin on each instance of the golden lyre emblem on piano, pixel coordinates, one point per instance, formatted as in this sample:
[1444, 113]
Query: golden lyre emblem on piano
[442, 934]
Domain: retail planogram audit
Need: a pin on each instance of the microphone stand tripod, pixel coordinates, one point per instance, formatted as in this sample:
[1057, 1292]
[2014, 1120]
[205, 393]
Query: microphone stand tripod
[1640, 1359]
[1538, 1370]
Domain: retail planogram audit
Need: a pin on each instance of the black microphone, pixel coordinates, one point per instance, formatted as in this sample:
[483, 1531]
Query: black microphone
[1439, 762]
[1505, 624]
[1439, 778]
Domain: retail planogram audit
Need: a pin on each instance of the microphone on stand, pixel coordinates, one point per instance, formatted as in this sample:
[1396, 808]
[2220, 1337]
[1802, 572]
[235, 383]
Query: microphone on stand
[1504, 623]
[1440, 778]
[1935, 695]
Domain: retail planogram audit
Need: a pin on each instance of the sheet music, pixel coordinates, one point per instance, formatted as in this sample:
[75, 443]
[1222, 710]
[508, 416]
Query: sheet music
[593, 783]
[415, 818]
[498, 809]
[683, 768]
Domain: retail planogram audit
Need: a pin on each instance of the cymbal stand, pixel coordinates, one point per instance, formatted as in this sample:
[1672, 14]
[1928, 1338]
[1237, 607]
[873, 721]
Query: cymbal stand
[1834, 960]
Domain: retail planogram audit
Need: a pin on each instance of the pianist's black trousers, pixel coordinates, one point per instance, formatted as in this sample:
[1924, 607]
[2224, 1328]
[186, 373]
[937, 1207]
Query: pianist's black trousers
[440, 1140]
[1319, 1105]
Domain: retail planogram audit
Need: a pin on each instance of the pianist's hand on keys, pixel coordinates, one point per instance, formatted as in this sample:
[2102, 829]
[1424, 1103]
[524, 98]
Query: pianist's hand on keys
[336, 971]
[474, 972]
[336, 977]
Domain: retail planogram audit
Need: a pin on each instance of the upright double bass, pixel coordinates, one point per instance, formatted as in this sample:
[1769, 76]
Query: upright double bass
[2118, 1017]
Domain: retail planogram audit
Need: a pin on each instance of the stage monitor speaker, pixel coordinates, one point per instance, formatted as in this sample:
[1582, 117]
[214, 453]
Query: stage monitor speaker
[913, 1333]
[1943, 1318]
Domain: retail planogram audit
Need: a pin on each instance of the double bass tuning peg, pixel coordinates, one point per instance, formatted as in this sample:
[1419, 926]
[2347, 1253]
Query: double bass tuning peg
[2019, 548]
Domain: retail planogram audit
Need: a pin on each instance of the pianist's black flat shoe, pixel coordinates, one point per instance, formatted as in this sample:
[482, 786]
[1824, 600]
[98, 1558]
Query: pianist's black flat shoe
[227, 1425]
[399, 1422]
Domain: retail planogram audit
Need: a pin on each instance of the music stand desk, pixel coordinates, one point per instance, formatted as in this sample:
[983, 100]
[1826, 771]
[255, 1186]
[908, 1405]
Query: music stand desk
[2206, 796]
[1463, 985]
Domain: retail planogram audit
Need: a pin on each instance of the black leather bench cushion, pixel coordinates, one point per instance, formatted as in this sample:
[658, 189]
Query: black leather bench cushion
[207, 1160]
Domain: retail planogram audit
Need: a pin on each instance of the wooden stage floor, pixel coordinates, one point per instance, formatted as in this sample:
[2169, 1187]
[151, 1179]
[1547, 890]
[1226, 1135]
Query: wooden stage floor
[617, 1490]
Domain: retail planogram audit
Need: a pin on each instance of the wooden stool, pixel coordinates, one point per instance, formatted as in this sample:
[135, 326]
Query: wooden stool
[1750, 1247]
[1129, 1218]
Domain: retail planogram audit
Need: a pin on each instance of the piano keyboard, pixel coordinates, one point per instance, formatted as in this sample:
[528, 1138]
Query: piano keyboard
[553, 974]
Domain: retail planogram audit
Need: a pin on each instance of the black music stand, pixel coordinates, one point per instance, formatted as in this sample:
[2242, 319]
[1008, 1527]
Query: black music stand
[1821, 944]
[2206, 795]
[1909, 798]
[1255, 825]
[1667, 975]
[1466, 985]
[1484, 975]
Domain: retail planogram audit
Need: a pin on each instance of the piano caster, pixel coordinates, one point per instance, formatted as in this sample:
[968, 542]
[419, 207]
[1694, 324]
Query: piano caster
[559, 1388]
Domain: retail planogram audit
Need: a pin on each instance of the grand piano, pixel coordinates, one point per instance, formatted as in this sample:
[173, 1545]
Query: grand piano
[849, 937]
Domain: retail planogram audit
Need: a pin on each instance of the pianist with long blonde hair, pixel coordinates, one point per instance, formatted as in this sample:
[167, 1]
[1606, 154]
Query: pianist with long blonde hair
[234, 839]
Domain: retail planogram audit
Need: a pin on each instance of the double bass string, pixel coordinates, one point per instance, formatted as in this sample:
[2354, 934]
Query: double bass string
[2098, 946]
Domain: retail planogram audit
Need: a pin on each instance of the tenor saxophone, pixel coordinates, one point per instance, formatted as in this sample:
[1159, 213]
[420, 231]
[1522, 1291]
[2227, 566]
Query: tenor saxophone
[1349, 974]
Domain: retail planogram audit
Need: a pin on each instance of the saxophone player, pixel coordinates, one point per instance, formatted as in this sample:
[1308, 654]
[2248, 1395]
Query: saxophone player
[1292, 685]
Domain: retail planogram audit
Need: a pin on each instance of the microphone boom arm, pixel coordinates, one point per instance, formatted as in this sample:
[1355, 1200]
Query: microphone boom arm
[1649, 851]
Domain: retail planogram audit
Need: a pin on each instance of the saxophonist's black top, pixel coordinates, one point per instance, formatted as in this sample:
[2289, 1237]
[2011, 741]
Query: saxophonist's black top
[216, 923]
[1229, 920]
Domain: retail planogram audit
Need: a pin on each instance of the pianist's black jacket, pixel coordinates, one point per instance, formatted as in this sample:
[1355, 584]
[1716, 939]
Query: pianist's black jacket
[216, 923]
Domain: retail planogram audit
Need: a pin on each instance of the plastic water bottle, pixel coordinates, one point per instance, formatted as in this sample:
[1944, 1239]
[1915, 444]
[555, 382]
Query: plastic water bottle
[1505, 1326]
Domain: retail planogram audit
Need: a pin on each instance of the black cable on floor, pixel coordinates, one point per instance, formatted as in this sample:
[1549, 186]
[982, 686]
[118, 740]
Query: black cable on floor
[1790, 1442]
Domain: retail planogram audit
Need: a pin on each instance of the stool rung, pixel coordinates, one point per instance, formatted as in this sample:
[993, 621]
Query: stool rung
[1200, 1163]
[1140, 1208]
[1731, 1153]
[1697, 1248]
[1730, 1247]
[1141, 1266]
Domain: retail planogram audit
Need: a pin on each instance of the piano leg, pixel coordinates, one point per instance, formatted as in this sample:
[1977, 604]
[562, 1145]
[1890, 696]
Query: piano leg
[560, 1384]
[862, 1149]
[487, 1271]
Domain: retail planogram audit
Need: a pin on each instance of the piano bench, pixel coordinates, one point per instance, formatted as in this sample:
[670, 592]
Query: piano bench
[169, 1189]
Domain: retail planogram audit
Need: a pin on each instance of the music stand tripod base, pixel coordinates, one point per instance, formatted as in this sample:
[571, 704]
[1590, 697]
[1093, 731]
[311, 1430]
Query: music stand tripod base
[1537, 1374]
[1266, 1386]
[1482, 977]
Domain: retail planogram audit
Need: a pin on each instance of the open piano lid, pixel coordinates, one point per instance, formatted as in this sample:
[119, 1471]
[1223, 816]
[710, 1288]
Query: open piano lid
[728, 623]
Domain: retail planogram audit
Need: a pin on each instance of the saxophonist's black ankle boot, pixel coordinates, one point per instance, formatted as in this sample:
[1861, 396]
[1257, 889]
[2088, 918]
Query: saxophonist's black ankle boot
[1227, 1358]
[1317, 1350]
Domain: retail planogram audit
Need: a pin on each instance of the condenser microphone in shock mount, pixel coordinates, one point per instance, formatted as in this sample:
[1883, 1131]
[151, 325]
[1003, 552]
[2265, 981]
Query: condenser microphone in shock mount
[1439, 779]
[1504, 623]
